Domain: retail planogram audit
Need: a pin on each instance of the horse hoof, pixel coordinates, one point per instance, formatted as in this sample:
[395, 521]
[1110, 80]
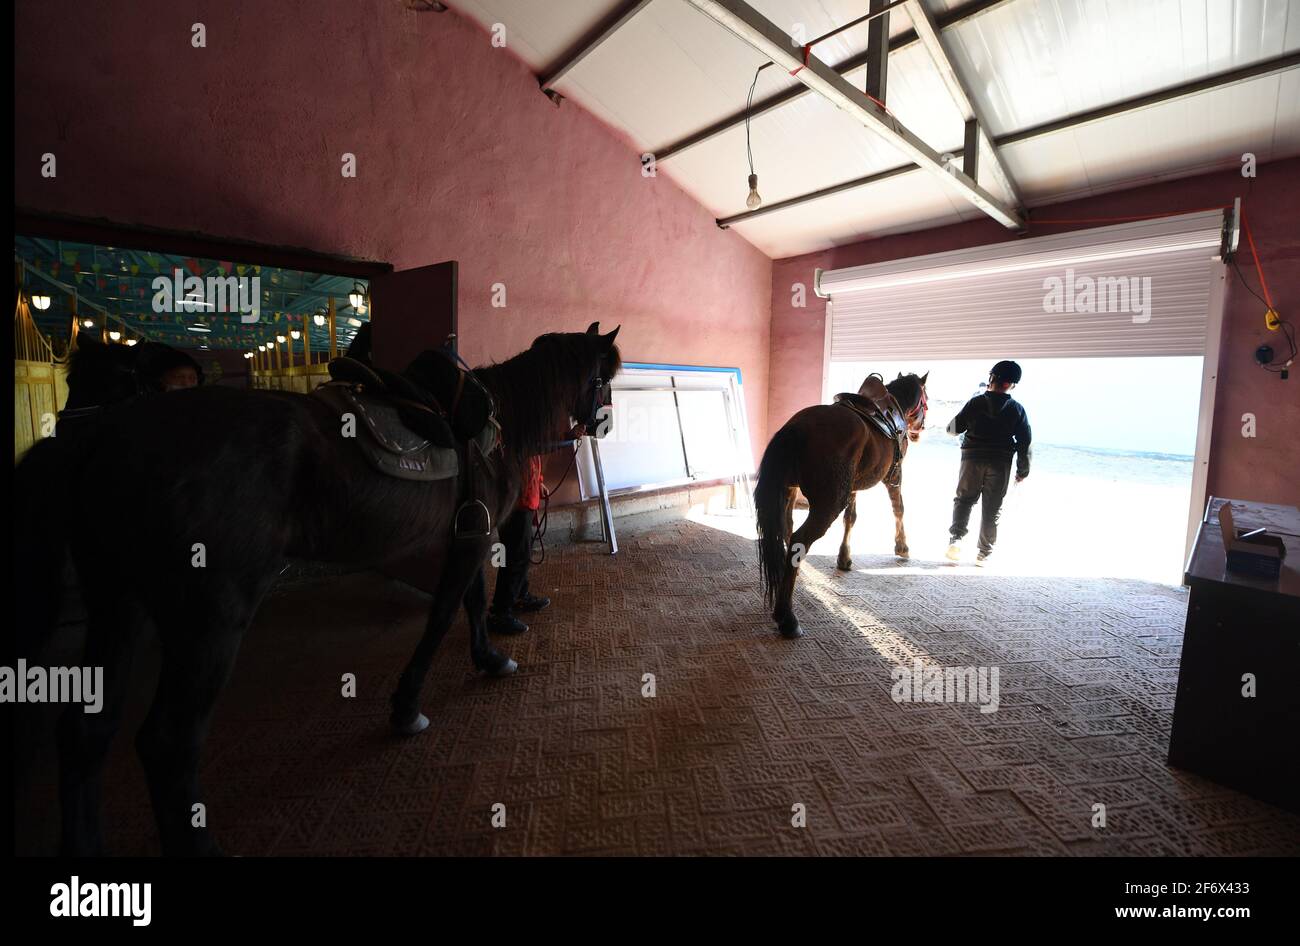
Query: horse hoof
[903, 553]
[417, 725]
[791, 632]
[495, 664]
[845, 565]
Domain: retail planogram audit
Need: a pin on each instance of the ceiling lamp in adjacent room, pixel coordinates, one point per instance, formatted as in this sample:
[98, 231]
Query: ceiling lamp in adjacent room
[40, 301]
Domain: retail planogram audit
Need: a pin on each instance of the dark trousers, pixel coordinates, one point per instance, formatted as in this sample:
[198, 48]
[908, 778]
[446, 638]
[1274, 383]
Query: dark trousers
[512, 578]
[983, 481]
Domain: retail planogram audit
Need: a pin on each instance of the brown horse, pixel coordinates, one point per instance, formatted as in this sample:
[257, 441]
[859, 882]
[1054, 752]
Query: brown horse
[180, 510]
[829, 451]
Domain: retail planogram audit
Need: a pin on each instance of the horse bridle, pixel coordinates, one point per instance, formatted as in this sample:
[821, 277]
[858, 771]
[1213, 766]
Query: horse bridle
[922, 407]
[599, 396]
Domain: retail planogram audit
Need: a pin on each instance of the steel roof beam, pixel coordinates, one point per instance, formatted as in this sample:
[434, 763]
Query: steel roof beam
[1209, 83]
[854, 62]
[1217, 81]
[817, 195]
[751, 26]
[591, 41]
[877, 78]
[932, 39]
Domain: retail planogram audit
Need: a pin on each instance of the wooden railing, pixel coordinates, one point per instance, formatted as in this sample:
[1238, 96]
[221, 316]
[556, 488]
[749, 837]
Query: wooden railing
[301, 378]
[40, 381]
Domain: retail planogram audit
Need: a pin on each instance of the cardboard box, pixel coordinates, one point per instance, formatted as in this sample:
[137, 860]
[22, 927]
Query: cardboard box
[1254, 553]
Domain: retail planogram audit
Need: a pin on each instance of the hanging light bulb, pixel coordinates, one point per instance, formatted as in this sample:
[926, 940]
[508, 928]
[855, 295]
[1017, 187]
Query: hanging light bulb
[261, 348]
[319, 318]
[753, 200]
[132, 342]
[40, 301]
[115, 335]
[280, 338]
[87, 323]
[357, 297]
[295, 334]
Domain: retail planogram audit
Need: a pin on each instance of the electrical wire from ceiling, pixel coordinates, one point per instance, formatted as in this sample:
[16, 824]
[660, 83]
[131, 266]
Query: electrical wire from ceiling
[749, 105]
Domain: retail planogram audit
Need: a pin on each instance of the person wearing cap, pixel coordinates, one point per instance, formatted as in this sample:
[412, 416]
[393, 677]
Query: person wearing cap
[164, 368]
[995, 428]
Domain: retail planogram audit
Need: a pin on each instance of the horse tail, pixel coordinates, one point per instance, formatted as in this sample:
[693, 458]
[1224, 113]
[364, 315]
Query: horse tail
[771, 493]
[41, 497]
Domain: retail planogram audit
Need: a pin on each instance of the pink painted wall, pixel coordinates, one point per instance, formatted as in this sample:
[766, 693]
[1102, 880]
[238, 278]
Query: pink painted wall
[459, 156]
[1266, 468]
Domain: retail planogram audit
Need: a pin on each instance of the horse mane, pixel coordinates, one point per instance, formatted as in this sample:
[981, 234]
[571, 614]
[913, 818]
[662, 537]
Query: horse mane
[98, 369]
[362, 345]
[531, 388]
[91, 357]
[906, 389]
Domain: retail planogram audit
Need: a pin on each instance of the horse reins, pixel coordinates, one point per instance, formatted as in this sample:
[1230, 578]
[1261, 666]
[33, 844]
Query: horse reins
[538, 540]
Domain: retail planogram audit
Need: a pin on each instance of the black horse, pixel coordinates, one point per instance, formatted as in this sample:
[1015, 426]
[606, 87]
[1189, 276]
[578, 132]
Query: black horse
[225, 485]
[100, 375]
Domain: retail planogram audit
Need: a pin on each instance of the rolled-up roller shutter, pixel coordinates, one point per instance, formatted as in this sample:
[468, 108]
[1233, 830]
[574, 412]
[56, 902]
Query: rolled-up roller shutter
[1134, 289]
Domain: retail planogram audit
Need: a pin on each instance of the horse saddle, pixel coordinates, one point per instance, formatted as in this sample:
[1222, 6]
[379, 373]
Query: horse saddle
[434, 381]
[880, 410]
[408, 451]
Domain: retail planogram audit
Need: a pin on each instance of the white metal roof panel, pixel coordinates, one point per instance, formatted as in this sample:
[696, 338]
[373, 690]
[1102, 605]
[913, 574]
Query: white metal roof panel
[671, 71]
[1197, 134]
[1034, 61]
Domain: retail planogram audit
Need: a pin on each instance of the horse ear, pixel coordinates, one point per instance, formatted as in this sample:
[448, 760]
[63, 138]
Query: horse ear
[593, 328]
[609, 339]
[924, 377]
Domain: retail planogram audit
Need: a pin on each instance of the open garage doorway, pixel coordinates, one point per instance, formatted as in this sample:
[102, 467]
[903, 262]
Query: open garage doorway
[1117, 329]
[1113, 457]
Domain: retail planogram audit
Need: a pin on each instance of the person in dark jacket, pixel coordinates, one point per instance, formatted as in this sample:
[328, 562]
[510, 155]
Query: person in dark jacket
[996, 428]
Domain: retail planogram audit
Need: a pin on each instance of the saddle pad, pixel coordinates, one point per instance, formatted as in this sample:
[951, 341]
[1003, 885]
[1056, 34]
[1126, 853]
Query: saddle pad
[387, 444]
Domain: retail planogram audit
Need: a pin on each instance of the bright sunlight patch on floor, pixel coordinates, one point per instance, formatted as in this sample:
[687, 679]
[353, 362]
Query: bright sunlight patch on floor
[1080, 513]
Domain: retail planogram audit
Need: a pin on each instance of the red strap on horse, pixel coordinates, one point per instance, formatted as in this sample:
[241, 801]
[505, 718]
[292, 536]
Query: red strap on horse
[923, 402]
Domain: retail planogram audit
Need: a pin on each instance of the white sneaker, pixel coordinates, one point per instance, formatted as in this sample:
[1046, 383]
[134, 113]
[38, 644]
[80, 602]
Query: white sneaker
[981, 558]
[954, 552]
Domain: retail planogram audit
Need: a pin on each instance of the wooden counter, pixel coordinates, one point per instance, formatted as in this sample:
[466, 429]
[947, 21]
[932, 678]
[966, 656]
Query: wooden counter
[1239, 625]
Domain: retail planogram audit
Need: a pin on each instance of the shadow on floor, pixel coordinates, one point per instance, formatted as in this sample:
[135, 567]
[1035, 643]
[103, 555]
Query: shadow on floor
[742, 726]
